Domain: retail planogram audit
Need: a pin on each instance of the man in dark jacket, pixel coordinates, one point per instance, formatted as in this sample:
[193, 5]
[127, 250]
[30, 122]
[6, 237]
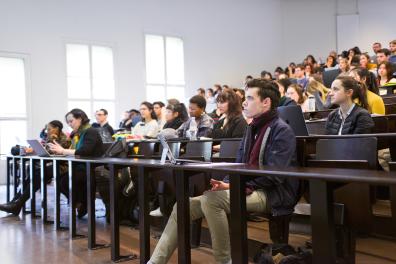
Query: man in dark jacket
[267, 141]
[105, 130]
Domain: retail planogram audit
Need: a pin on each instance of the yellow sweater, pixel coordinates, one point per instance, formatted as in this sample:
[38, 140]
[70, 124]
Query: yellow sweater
[375, 103]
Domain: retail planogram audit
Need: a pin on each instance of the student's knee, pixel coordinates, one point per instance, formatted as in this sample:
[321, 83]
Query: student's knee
[212, 199]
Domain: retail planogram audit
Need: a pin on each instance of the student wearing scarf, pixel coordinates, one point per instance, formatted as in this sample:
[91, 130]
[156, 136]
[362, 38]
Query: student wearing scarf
[267, 141]
[87, 142]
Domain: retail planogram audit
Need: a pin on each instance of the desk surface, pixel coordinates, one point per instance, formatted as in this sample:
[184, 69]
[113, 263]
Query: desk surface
[328, 174]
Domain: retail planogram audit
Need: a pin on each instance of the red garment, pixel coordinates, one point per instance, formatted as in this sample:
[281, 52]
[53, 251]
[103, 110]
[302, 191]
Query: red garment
[259, 126]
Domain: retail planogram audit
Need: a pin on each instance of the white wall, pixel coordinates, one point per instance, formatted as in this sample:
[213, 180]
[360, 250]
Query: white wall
[309, 26]
[224, 41]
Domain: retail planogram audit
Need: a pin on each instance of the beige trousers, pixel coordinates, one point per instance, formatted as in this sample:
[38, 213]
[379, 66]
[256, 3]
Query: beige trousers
[214, 206]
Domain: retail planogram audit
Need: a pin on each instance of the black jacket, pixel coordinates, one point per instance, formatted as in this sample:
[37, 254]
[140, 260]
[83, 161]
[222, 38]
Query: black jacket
[91, 144]
[358, 121]
[175, 124]
[235, 128]
[286, 101]
[278, 150]
[106, 131]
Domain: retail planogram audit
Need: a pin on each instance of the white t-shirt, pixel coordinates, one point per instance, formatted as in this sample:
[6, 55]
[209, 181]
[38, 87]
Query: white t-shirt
[149, 129]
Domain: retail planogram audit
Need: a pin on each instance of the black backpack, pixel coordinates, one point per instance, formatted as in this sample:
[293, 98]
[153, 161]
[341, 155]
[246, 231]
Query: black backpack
[119, 149]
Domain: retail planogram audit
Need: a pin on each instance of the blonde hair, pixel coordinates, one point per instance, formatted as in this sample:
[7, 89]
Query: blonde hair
[315, 86]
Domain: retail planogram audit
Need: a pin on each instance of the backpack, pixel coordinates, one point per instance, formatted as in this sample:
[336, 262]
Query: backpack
[118, 149]
[127, 182]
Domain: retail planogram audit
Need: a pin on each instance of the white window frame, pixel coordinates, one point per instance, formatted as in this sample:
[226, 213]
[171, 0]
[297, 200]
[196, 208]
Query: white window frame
[165, 84]
[91, 100]
[26, 59]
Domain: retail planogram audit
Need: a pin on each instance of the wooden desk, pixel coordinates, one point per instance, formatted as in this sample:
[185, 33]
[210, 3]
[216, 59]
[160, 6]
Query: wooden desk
[320, 179]
[323, 235]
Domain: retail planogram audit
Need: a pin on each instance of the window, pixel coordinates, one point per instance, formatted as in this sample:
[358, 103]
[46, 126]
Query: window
[164, 68]
[90, 79]
[13, 113]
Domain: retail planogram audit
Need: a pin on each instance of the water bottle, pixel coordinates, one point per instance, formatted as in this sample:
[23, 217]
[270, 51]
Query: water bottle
[311, 103]
[193, 129]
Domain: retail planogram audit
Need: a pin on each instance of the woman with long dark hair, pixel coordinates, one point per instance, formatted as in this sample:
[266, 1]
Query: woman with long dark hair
[349, 118]
[375, 104]
[231, 124]
[175, 116]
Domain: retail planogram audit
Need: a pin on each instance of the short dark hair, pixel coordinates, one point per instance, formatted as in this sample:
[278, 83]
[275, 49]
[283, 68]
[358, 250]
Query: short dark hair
[263, 73]
[161, 104]
[285, 83]
[266, 89]
[300, 66]
[134, 111]
[78, 113]
[279, 70]
[56, 123]
[199, 101]
[103, 110]
[385, 51]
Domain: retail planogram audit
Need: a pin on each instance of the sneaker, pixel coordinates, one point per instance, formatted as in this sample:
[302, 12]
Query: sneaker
[156, 213]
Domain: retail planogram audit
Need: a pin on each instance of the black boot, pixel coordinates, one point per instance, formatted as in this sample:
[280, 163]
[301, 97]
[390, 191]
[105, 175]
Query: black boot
[81, 210]
[13, 207]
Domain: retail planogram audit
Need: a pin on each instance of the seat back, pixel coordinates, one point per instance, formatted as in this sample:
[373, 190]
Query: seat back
[146, 149]
[199, 149]
[364, 148]
[229, 148]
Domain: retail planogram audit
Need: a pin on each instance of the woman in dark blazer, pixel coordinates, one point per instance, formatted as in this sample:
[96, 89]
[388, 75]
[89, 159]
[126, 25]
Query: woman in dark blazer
[86, 142]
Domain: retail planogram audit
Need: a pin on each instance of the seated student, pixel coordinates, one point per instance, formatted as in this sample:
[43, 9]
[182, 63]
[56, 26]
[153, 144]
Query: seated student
[320, 92]
[349, 118]
[52, 132]
[375, 104]
[296, 93]
[175, 116]
[299, 74]
[266, 129]
[159, 109]
[232, 123]
[148, 127]
[87, 142]
[105, 130]
[309, 70]
[266, 75]
[344, 65]
[129, 119]
[331, 62]
[210, 100]
[198, 120]
[385, 74]
[364, 60]
[216, 89]
[240, 93]
[382, 56]
[392, 48]
[283, 84]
